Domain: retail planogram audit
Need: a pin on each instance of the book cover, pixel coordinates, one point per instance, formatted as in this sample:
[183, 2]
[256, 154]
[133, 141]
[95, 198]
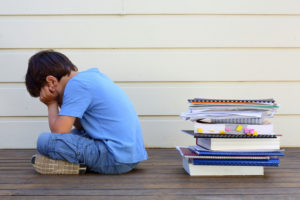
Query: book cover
[202, 151]
[221, 170]
[271, 162]
[186, 152]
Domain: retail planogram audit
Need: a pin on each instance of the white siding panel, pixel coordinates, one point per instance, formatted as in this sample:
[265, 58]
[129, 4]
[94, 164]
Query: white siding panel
[149, 31]
[163, 99]
[54, 7]
[21, 133]
[66, 7]
[171, 65]
[157, 132]
[212, 7]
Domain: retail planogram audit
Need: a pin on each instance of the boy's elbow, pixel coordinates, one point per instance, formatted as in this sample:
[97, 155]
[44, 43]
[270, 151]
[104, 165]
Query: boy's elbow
[62, 124]
[59, 130]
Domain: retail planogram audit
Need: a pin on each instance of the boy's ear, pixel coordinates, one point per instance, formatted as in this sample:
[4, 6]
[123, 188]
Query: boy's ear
[51, 81]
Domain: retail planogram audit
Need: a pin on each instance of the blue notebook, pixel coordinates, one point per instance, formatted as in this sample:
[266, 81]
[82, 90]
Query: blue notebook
[233, 153]
[271, 162]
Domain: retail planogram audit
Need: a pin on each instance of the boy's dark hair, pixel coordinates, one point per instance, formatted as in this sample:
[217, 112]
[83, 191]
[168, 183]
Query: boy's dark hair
[43, 64]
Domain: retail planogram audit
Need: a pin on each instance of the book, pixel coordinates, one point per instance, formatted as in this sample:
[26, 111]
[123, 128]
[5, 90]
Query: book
[265, 129]
[186, 152]
[239, 144]
[210, 135]
[219, 170]
[202, 151]
[232, 136]
[229, 109]
[271, 162]
[250, 101]
[241, 120]
[226, 113]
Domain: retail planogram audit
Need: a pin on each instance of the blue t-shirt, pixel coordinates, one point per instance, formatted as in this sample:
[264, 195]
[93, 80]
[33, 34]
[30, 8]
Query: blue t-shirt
[105, 113]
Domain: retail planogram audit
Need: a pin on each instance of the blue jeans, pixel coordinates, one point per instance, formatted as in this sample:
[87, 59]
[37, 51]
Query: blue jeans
[77, 147]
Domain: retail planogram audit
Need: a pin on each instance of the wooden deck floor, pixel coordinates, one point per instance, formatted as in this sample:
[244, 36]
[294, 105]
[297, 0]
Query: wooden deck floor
[161, 177]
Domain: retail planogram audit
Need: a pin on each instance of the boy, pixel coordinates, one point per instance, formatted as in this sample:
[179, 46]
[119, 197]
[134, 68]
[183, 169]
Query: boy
[107, 138]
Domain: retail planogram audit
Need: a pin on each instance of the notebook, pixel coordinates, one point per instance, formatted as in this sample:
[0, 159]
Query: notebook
[241, 120]
[186, 152]
[250, 101]
[202, 151]
[210, 135]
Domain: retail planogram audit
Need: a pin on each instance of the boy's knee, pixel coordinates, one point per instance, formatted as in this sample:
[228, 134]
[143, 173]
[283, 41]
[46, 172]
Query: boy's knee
[43, 143]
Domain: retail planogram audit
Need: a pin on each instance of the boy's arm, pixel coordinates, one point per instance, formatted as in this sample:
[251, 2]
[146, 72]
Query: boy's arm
[77, 124]
[57, 123]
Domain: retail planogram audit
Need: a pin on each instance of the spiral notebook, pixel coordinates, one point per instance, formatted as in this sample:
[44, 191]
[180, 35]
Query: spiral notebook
[209, 135]
[241, 120]
[251, 101]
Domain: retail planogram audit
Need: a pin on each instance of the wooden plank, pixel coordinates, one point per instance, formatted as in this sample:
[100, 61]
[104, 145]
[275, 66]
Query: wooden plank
[171, 65]
[212, 7]
[163, 98]
[167, 129]
[60, 7]
[146, 182]
[149, 31]
[152, 192]
[169, 197]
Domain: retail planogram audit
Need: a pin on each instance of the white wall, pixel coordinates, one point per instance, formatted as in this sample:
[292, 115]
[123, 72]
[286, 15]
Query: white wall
[161, 52]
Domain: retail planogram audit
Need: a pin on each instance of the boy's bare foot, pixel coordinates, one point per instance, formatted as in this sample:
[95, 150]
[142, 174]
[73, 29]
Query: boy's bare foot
[45, 165]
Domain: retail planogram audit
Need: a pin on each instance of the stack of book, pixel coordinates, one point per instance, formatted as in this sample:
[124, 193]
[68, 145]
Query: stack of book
[233, 137]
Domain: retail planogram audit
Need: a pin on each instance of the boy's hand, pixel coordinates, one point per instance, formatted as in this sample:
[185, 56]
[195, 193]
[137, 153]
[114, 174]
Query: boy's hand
[48, 95]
